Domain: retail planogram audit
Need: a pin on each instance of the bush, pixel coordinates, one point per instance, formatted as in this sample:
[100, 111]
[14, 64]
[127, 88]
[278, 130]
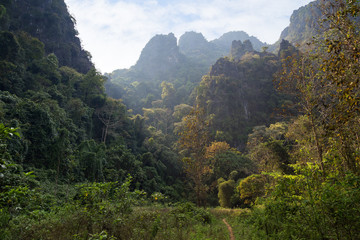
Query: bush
[189, 210]
[305, 206]
[226, 191]
[251, 188]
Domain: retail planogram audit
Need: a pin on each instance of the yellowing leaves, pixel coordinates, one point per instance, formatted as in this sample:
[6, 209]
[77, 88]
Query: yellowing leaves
[216, 148]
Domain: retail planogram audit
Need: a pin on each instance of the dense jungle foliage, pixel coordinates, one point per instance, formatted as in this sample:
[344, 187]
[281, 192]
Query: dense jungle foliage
[263, 146]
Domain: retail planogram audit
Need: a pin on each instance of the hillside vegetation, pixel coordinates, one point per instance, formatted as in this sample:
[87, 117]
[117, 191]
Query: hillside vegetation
[195, 135]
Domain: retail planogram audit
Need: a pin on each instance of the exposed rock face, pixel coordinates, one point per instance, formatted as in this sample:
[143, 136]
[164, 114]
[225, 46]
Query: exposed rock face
[225, 41]
[194, 46]
[160, 56]
[49, 21]
[239, 94]
[192, 42]
[225, 67]
[239, 49]
[303, 26]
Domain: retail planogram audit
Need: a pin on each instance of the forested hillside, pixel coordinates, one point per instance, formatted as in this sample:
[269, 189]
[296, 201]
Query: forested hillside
[50, 22]
[196, 134]
[180, 65]
[58, 127]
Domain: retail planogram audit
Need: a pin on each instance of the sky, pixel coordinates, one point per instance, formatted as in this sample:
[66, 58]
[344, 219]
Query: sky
[115, 31]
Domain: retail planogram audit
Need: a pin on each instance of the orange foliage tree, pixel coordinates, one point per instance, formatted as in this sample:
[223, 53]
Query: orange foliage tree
[193, 140]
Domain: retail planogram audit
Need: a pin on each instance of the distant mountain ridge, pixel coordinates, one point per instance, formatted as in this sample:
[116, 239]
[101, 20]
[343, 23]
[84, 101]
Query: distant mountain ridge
[184, 63]
[162, 55]
[194, 45]
[163, 59]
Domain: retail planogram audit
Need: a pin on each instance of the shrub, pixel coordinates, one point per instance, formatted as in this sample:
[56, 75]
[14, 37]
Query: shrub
[226, 191]
[251, 188]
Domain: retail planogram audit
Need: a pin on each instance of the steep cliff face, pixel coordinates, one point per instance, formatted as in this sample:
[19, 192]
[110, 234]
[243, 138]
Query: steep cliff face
[51, 23]
[304, 24]
[160, 56]
[238, 93]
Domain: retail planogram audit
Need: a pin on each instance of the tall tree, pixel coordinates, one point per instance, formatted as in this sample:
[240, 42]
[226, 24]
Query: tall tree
[112, 115]
[193, 140]
[326, 83]
[300, 77]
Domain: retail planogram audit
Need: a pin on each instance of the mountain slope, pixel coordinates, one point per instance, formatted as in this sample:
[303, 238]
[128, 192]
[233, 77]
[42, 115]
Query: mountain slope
[51, 23]
[238, 93]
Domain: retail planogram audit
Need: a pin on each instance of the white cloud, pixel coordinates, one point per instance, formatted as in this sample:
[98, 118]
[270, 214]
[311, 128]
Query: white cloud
[115, 31]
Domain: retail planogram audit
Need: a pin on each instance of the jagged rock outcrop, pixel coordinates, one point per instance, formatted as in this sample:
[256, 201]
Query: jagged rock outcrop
[239, 94]
[224, 66]
[239, 49]
[287, 50]
[225, 41]
[195, 47]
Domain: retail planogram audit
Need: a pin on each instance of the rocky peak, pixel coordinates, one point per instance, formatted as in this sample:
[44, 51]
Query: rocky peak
[192, 41]
[239, 49]
[224, 66]
[226, 39]
[287, 49]
[159, 56]
[159, 47]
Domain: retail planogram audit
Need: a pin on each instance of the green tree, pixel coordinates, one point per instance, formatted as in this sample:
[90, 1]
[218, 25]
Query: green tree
[5, 134]
[325, 82]
[301, 78]
[251, 188]
[168, 94]
[92, 89]
[226, 191]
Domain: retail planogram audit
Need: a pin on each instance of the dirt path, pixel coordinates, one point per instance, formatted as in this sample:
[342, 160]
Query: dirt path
[232, 237]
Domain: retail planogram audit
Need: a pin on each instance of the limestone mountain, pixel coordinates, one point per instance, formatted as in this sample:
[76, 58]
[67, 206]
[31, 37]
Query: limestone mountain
[163, 60]
[225, 41]
[239, 94]
[304, 24]
[160, 61]
[160, 57]
[51, 23]
[196, 47]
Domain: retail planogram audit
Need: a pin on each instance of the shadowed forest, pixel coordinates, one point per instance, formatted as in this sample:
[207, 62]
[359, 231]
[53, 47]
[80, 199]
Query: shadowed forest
[225, 139]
